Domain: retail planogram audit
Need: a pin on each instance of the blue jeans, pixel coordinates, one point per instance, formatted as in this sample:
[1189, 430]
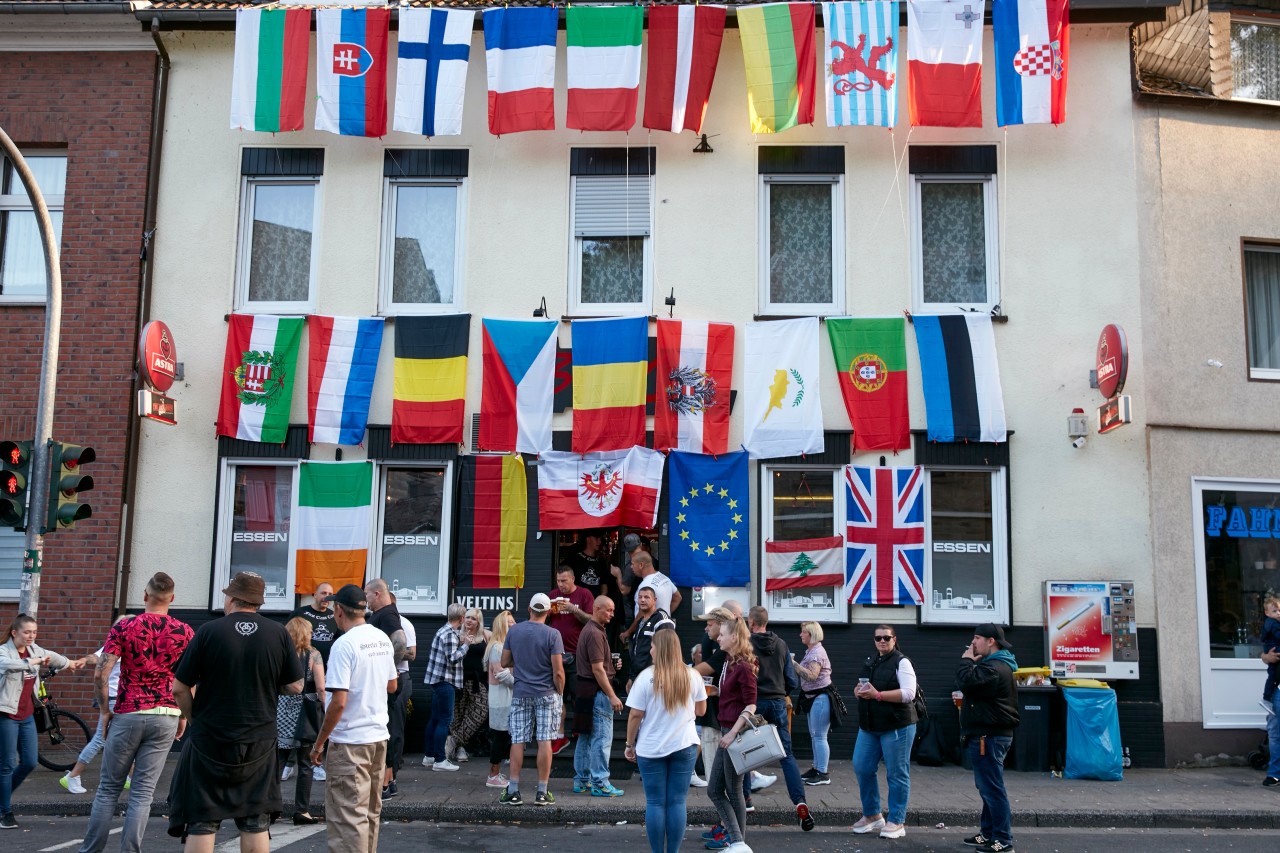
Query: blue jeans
[140, 741]
[591, 755]
[17, 740]
[1273, 736]
[441, 716]
[819, 726]
[666, 787]
[988, 776]
[726, 792]
[95, 744]
[775, 711]
[895, 749]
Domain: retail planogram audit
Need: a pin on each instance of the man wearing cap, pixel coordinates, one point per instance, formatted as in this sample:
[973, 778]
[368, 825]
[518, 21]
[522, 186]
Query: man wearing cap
[226, 684]
[361, 672]
[386, 618]
[987, 720]
[534, 652]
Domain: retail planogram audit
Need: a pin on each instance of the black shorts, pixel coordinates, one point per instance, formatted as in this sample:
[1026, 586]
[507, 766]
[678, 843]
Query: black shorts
[251, 824]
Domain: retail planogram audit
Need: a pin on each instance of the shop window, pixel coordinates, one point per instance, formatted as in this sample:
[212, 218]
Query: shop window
[801, 230]
[22, 268]
[1255, 59]
[611, 213]
[955, 259]
[966, 577]
[413, 551]
[1262, 309]
[1241, 541]
[255, 509]
[802, 503]
[423, 235]
[279, 214]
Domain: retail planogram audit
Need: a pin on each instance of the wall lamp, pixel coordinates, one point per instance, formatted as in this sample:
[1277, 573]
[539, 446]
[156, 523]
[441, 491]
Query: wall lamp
[541, 310]
[703, 147]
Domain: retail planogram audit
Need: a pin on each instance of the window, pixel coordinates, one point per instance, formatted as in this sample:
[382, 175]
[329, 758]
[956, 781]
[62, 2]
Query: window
[256, 505]
[278, 221]
[22, 273]
[414, 550]
[966, 556]
[955, 262]
[802, 503]
[611, 212]
[1262, 309]
[423, 217]
[13, 545]
[1255, 59]
[801, 230]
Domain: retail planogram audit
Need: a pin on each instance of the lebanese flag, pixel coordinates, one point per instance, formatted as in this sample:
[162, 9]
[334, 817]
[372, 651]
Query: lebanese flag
[603, 66]
[1031, 40]
[804, 563]
[520, 57]
[269, 74]
[695, 367]
[619, 487]
[944, 54]
[351, 71]
[684, 49]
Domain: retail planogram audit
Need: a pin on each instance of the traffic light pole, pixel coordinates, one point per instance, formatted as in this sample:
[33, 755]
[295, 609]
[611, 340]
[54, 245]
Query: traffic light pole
[29, 600]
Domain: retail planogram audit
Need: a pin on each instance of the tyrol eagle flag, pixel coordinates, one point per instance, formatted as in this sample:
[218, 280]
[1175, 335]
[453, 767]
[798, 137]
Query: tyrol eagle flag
[493, 505]
[708, 519]
[257, 377]
[884, 535]
[599, 489]
[783, 415]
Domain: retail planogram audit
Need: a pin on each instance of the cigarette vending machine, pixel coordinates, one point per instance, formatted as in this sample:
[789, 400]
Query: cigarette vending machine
[1091, 628]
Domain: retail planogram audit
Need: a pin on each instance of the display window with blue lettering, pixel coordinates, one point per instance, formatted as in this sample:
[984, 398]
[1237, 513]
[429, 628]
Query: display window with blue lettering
[1241, 542]
[256, 507]
[966, 566]
[413, 541]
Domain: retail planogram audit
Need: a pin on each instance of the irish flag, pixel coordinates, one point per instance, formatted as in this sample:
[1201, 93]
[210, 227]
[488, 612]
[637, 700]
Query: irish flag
[871, 362]
[269, 77]
[257, 377]
[778, 50]
[603, 66]
[804, 563]
[335, 505]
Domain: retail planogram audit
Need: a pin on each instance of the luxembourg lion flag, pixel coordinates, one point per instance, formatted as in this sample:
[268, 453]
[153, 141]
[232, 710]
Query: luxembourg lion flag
[861, 63]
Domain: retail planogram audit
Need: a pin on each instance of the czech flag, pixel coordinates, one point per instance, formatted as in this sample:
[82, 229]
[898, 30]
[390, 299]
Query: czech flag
[1031, 61]
[610, 364]
[518, 388]
[430, 379]
[351, 71]
[520, 55]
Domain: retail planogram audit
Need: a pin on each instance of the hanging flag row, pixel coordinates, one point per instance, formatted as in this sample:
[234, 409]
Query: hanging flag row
[603, 45]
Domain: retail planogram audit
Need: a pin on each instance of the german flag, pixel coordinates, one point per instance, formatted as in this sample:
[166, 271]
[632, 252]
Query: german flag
[430, 379]
[494, 509]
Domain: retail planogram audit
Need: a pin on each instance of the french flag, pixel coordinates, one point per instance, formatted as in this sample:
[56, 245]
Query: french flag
[520, 55]
[1031, 61]
[351, 71]
[944, 52]
[343, 360]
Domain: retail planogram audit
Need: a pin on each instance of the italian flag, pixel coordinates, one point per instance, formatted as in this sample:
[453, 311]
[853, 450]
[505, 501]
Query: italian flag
[871, 362]
[269, 77]
[603, 66]
[804, 563]
[778, 50]
[257, 377]
[332, 524]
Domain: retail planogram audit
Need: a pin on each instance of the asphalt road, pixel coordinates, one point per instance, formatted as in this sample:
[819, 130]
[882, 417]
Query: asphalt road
[51, 835]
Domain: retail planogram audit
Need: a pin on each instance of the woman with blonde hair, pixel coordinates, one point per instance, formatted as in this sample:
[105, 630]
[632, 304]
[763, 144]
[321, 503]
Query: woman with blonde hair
[737, 701]
[500, 683]
[471, 713]
[814, 670]
[298, 717]
[661, 738]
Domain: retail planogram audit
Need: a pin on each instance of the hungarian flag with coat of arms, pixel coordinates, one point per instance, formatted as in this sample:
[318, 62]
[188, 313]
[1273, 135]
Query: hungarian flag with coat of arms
[257, 377]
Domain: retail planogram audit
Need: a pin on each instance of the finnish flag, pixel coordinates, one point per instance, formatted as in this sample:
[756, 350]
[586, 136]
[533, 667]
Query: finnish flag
[431, 66]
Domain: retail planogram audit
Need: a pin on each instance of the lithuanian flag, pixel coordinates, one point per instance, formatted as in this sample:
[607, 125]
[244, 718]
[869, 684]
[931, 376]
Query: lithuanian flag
[778, 50]
[430, 379]
[610, 364]
[332, 525]
[494, 508]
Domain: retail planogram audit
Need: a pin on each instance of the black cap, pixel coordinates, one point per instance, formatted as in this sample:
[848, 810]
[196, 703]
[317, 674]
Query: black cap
[992, 632]
[350, 596]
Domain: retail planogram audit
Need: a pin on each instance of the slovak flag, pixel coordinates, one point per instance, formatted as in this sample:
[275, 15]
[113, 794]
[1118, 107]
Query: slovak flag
[351, 71]
[684, 49]
[520, 55]
[431, 69]
[1031, 61]
[884, 537]
[944, 66]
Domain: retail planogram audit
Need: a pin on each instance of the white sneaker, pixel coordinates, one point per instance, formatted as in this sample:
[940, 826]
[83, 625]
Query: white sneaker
[696, 781]
[760, 781]
[738, 847]
[461, 756]
[893, 830]
[444, 765]
[317, 773]
[866, 824]
[284, 776]
[72, 783]
[428, 760]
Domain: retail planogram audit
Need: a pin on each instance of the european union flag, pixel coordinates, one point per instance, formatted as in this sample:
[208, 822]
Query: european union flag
[708, 519]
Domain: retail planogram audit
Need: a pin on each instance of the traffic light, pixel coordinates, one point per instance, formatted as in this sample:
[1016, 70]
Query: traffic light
[66, 482]
[15, 472]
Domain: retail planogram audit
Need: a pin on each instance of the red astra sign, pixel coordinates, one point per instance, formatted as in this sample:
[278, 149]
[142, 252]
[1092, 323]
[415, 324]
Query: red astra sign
[157, 356]
[1112, 361]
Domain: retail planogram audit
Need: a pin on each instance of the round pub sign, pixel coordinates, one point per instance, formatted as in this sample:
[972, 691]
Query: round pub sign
[157, 356]
[1112, 360]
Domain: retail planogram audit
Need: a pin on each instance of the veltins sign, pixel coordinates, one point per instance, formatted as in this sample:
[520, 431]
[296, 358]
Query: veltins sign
[157, 356]
[1112, 360]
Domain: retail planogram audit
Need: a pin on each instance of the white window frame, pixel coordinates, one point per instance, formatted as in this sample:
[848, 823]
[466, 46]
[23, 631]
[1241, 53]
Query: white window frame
[386, 283]
[439, 607]
[12, 593]
[1000, 613]
[19, 202]
[837, 303]
[244, 244]
[222, 548]
[1266, 373]
[991, 219]
[838, 613]
[577, 307]
[1262, 22]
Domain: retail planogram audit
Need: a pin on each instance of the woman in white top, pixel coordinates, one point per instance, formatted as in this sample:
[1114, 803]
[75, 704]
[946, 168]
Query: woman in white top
[661, 737]
[500, 683]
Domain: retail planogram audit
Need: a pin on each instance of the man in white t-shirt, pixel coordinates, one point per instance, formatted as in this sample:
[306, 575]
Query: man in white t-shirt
[664, 590]
[360, 675]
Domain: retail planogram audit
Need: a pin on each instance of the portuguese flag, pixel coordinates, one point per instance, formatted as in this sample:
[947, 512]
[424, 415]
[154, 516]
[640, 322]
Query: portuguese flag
[269, 76]
[494, 507]
[871, 361]
[257, 377]
[778, 50]
[332, 525]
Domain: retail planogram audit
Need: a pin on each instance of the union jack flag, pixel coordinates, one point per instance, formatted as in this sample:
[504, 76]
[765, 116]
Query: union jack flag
[884, 559]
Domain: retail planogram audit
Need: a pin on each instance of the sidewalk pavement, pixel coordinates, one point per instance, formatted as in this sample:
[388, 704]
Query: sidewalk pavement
[1218, 797]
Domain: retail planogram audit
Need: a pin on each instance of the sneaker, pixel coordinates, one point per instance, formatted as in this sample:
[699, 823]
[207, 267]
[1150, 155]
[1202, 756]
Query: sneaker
[819, 779]
[810, 773]
[318, 774]
[975, 840]
[444, 765]
[716, 831]
[495, 781]
[8, 821]
[581, 787]
[128, 782]
[71, 783]
[304, 819]
[750, 806]
[545, 798]
[428, 761]
[806, 819]
[462, 756]
[286, 773]
[511, 798]
[871, 824]
[893, 830]
[760, 781]
[450, 747]
[738, 847]
[994, 846]
[390, 792]
[722, 843]
[1270, 782]
[558, 745]
[606, 790]
[696, 781]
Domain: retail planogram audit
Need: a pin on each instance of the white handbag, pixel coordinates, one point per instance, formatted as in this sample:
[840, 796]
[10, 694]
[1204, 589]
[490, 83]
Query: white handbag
[755, 746]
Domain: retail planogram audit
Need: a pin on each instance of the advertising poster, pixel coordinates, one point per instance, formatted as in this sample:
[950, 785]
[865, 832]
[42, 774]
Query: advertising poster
[1091, 629]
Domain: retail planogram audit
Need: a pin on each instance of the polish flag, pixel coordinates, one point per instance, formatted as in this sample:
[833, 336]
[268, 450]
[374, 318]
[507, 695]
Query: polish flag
[684, 49]
[944, 51]
[695, 366]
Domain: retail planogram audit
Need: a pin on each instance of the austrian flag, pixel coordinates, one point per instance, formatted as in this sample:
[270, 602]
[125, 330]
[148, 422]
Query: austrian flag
[885, 535]
[695, 366]
[684, 49]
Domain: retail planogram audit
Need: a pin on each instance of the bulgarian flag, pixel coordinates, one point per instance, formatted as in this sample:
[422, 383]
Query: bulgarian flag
[803, 563]
[269, 76]
[257, 377]
[335, 504]
[603, 66]
[871, 361]
[778, 49]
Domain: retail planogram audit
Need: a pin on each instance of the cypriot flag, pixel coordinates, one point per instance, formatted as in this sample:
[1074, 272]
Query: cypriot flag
[783, 415]
[333, 522]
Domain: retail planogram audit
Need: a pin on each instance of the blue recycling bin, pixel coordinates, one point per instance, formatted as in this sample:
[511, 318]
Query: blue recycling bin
[1093, 734]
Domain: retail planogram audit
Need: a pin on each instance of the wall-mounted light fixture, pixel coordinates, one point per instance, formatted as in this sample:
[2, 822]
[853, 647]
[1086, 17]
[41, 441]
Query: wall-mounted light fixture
[703, 147]
[541, 310]
[670, 302]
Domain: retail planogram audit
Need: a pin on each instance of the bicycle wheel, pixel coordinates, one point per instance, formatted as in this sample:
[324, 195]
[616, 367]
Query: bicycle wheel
[60, 746]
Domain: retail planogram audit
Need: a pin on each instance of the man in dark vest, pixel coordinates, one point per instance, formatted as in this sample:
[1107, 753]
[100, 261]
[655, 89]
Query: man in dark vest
[987, 720]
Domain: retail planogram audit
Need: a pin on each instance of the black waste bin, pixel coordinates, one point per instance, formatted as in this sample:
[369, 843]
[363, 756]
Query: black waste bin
[1031, 741]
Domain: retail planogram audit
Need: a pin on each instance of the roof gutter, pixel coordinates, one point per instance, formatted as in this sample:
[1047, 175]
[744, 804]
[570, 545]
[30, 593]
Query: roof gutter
[63, 8]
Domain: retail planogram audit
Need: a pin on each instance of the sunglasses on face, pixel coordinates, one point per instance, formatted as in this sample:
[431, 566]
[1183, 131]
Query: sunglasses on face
[883, 639]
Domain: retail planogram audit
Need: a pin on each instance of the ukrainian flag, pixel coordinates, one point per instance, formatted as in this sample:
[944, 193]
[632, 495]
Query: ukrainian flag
[610, 363]
[430, 379]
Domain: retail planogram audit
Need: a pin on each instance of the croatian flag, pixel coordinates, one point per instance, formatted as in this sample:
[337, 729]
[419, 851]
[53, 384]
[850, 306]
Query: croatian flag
[520, 55]
[343, 360]
[684, 49]
[431, 70]
[862, 63]
[944, 56]
[1031, 61]
[963, 400]
[695, 367]
[518, 385]
[351, 71]
[884, 511]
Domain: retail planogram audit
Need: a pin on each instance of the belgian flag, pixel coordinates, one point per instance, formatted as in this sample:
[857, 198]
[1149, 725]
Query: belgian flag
[430, 379]
[494, 509]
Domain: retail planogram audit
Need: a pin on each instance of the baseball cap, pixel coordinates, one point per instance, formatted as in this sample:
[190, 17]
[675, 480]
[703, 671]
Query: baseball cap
[630, 542]
[720, 614]
[992, 632]
[540, 603]
[351, 596]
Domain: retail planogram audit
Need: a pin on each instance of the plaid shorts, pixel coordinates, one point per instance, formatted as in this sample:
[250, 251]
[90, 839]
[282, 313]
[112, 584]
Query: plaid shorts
[547, 711]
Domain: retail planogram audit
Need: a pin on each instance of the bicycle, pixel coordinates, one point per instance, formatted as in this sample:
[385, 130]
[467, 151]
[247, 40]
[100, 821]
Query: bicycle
[67, 734]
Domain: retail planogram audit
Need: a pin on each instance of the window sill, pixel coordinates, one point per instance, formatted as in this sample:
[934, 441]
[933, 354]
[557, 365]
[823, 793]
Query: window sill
[820, 316]
[20, 302]
[996, 315]
[1264, 374]
[568, 318]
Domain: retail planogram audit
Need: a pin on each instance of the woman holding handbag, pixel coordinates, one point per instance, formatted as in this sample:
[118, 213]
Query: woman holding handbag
[815, 700]
[886, 730]
[737, 701]
[298, 718]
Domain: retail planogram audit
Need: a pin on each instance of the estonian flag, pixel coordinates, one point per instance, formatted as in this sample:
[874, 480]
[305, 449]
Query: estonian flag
[962, 396]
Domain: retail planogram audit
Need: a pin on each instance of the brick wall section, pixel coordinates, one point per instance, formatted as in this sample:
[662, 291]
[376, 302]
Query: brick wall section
[98, 107]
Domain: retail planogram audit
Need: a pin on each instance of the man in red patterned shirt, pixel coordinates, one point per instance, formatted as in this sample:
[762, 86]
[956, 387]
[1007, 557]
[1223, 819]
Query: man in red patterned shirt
[145, 720]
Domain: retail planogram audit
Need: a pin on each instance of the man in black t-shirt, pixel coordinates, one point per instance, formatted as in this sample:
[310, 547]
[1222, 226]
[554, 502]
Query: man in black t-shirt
[386, 618]
[590, 568]
[324, 630]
